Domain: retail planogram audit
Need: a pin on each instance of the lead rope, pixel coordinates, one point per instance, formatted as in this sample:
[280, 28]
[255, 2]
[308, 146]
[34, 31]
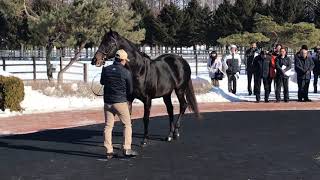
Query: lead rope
[96, 91]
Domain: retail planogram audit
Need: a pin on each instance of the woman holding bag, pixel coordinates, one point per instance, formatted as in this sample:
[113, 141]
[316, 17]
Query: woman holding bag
[215, 69]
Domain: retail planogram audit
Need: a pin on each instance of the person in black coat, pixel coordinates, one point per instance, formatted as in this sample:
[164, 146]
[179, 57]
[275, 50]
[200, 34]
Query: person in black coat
[303, 66]
[316, 70]
[261, 71]
[117, 81]
[250, 55]
[283, 66]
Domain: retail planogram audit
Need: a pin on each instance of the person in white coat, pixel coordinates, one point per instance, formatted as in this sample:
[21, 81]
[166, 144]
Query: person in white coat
[215, 68]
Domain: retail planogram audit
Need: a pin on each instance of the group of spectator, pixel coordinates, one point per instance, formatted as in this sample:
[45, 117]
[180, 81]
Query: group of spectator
[267, 67]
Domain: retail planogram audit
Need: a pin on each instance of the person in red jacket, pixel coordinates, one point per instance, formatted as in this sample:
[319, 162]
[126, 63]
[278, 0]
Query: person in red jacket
[275, 54]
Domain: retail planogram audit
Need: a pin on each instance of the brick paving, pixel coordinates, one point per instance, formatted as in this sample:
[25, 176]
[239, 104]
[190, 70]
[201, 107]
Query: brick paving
[58, 120]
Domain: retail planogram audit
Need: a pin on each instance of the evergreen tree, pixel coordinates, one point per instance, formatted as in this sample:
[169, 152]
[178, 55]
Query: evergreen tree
[244, 9]
[14, 28]
[206, 26]
[292, 35]
[261, 8]
[3, 30]
[171, 18]
[312, 13]
[226, 21]
[155, 32]
[184, 37]
[287, 11]
[243, 39]
[189, 34]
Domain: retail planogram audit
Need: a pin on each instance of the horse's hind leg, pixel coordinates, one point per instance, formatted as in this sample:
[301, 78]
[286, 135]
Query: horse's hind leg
[183, 106]
[167, 101]
[147, 107]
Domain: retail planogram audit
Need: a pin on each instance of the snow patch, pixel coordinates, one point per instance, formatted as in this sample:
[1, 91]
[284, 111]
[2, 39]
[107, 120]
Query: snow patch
[4, 73]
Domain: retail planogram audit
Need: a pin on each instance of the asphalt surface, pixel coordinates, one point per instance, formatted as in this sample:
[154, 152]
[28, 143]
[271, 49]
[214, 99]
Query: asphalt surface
[230, 145]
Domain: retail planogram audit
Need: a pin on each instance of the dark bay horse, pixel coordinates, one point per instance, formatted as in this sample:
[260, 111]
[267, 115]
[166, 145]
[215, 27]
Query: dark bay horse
[153, 79]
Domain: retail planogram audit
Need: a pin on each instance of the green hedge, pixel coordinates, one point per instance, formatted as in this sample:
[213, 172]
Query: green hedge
[11, 93]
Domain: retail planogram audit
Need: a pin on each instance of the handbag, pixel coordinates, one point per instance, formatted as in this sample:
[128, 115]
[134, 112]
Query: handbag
[218, 75]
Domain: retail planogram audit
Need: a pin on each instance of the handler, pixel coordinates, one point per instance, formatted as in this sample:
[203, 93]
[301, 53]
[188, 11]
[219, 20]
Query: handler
[117, 81]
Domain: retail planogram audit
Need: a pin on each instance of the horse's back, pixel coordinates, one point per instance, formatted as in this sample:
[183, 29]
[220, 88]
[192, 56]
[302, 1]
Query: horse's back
[175, 62]
[171, 71]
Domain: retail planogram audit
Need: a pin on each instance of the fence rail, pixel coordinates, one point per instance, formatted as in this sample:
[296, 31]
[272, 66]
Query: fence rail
[82, 69]
[196, 58]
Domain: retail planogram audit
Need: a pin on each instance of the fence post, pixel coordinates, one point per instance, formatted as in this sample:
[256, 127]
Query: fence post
[3, 63]
[196, 64]
[60, 59]
[85, 72]
[34, 68]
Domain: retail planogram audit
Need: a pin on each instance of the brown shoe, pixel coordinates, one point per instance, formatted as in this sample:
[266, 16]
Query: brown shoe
[109, 155]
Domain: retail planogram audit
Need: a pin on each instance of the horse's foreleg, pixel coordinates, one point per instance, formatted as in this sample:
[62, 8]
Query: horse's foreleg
[183, 107]
[147, 107]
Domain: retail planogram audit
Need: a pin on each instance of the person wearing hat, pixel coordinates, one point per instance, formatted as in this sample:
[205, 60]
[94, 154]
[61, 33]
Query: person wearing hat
[316, 70]
[303, 65]
[117, 81]
[233, 62]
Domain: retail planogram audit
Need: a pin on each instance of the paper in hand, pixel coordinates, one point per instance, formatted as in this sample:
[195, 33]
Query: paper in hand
[289, 73]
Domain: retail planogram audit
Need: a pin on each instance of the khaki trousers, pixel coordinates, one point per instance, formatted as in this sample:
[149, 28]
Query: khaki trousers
[122, 111]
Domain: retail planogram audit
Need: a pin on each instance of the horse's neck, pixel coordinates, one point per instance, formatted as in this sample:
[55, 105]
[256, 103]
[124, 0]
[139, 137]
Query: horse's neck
[141, 62]
[140, 65]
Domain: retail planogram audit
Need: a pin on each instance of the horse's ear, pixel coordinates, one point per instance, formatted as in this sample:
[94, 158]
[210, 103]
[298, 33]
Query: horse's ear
[110, 30]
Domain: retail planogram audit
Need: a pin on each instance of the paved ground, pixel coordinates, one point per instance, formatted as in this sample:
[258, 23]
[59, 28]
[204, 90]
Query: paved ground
[58, 120]
[223, 145]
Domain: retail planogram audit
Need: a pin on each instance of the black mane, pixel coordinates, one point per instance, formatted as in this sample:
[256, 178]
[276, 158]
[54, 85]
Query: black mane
[133, 46]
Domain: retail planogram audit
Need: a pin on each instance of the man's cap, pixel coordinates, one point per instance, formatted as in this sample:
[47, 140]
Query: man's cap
[122, 54]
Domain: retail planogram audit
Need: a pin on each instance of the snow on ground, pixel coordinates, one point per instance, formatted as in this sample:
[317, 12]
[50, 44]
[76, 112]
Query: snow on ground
[4, 73]
[242, 92]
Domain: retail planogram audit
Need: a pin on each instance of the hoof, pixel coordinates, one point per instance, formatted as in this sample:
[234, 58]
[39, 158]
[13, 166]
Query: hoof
[169, 139]
[144, 143]
[176, 135]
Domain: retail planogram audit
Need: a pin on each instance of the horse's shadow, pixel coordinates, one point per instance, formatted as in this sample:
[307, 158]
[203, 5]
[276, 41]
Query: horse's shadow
[86, 142]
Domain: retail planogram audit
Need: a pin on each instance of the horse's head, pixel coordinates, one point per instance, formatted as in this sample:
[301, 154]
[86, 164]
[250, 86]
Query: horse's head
[107, 48]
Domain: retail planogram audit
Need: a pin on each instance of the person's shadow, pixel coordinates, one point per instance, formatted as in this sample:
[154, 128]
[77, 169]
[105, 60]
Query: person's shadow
[82, 140]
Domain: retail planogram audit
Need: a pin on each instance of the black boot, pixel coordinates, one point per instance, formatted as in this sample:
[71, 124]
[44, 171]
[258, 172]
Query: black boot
[266, 97]
[257, 98]
[315, 89]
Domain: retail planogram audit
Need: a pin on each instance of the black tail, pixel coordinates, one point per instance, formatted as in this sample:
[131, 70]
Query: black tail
[191, 99]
